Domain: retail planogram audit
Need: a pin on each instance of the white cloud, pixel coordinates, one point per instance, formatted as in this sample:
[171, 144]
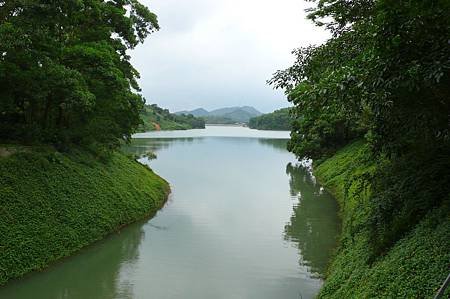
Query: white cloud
[215, 53]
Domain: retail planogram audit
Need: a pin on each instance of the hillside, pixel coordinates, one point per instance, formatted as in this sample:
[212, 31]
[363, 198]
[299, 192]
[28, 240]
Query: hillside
[227, 115]
[156, 118]
[55, 203]
[277, 120]
[416, 262]
[196, 112]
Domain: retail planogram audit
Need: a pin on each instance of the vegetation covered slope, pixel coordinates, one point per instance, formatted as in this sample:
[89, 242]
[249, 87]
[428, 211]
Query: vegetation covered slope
[156, 118]
[52, 204]
[66, 82]
[277, 120]
[414, 266]
[382, 77]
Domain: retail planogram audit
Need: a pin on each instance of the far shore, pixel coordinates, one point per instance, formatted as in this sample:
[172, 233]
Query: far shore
[227, 125]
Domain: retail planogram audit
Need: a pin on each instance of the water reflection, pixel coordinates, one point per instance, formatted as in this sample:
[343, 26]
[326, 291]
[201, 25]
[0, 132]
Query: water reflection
[313, 224]
[223, 235]
[96, 272]
[279, 144]
[141, 146]
[144, 145]
[216, 131]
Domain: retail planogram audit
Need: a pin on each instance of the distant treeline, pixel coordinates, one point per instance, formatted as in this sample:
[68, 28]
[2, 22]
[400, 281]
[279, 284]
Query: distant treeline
[278, 120]
[157, 118]
[222, 120]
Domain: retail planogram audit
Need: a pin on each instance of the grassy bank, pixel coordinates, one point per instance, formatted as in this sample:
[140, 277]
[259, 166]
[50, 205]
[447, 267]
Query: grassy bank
[414, 266]
[53, 204]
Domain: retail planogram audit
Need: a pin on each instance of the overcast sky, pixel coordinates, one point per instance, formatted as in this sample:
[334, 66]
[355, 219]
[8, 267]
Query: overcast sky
[218, 53]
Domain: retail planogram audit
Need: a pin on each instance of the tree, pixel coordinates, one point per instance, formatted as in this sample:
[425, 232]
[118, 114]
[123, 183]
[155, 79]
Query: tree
[384, 74]
[66, 77]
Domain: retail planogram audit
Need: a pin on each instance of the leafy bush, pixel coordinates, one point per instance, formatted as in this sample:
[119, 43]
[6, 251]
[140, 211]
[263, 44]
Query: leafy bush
[405, 190]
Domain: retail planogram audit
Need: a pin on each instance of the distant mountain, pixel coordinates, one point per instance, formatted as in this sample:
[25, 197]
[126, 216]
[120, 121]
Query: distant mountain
[197, 112]
[228, 115]
[241, 116]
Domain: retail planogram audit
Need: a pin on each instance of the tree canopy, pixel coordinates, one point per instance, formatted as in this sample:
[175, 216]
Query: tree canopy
[65, 76]
[384, 74]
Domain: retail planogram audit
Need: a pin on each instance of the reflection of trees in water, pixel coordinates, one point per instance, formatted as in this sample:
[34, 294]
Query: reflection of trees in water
[141, 146]
[280, 144]
[314, 225]
[94, 273]
[100, 269]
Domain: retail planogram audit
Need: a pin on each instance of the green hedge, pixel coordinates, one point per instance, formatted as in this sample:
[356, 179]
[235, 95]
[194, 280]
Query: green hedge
[413, 267]
[53, 204]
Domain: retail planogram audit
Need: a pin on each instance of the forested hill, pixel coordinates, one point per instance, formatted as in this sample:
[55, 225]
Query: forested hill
[228, 115]
[157, 118]
[277, 120]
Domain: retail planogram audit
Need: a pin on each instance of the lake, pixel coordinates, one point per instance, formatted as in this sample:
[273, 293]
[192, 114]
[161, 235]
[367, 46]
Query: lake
[244, 220]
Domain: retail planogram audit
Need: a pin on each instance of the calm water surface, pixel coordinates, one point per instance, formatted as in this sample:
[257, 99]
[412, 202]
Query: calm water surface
[244, 220]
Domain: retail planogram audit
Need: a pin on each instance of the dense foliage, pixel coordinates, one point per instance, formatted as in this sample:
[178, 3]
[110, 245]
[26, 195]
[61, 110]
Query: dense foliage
[384, 77]
[277, 120]
[414, 267]
[384, 74]
[53, 204]
[156, 118]
[65, 76]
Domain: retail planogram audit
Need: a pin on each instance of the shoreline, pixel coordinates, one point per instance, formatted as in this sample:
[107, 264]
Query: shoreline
[421, 255]
[73, 203]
